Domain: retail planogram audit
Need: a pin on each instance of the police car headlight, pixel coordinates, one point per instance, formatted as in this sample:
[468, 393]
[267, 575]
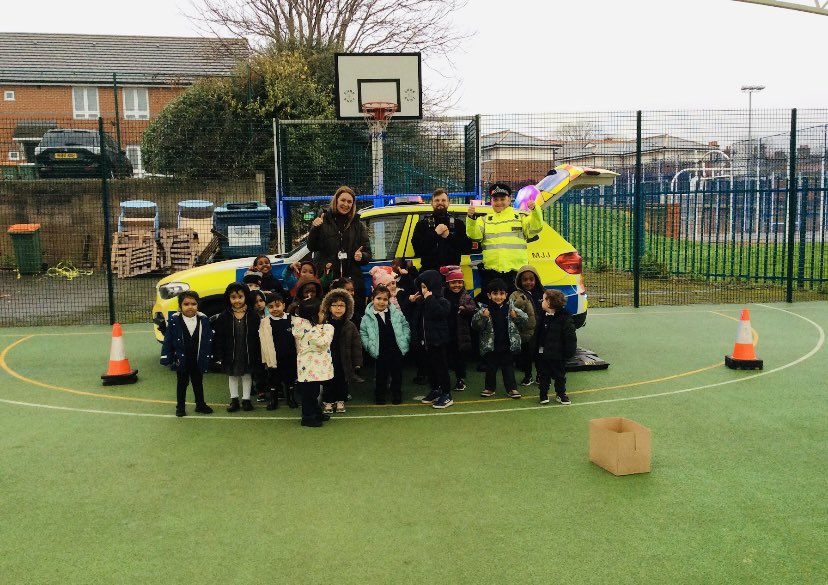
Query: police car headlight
[172, 289]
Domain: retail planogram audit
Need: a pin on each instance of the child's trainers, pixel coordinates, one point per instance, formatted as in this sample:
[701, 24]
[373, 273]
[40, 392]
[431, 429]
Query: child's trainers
[487, 393]
[461, 385]
[443, 402]
[513, 394]
[562, 398]
[431, 397]
[327, 407]
[340, 406]
[544, 399]
[527, 381]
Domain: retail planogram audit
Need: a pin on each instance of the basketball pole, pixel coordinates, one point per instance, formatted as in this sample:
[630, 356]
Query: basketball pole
[378, 161]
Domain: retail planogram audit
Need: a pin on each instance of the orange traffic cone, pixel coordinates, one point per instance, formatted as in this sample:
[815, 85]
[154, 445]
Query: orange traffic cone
[744, 355]
[119, 371]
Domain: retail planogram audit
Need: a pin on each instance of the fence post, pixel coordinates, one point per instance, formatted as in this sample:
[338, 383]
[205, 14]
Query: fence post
[638, 220]
[117, 113]
[803, 232]
[107, 246]
[478, 180]
[792, 209]
[280, 215]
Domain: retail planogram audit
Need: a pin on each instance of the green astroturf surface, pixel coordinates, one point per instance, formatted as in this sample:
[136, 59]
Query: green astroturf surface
[489, 491]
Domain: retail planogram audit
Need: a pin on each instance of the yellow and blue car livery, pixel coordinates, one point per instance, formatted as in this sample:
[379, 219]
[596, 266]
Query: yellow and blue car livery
[390, 229]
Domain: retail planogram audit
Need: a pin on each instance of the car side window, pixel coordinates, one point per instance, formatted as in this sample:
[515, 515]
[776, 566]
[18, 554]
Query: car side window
[384, 234]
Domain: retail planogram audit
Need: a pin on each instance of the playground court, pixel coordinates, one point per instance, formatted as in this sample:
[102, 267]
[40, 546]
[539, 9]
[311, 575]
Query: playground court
[105, 485]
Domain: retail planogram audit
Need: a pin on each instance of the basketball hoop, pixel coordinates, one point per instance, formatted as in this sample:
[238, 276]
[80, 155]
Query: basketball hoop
[378, 115]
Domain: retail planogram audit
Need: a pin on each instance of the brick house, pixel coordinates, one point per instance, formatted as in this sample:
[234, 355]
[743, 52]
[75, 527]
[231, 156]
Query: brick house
[67, 81]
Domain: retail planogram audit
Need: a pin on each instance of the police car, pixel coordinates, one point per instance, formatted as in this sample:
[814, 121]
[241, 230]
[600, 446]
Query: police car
[390, 229]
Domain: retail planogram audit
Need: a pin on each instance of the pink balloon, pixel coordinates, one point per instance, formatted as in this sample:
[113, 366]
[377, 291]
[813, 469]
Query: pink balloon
[524, 196]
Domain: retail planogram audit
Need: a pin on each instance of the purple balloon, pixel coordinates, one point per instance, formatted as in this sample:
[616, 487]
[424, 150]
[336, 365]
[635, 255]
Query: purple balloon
[525, 195]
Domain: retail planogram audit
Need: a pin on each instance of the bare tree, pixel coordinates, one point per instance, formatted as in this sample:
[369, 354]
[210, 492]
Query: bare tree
[342, 25]
[581, 130]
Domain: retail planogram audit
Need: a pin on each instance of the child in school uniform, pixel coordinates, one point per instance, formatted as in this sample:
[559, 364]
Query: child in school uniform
[269, 281]
[236, 343]
[499, 322]
[313, 362]
[385, 336]
[527, 297]
[556, 342]
[259, 371]
[346, 349]
[278, 351]
[431, 312]
[187, 346]
[462, 309]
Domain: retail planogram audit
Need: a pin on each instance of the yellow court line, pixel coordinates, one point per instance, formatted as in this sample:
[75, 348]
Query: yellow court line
[5, 367]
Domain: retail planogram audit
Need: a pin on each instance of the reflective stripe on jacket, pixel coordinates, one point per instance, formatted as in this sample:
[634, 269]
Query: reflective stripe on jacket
[504, 237]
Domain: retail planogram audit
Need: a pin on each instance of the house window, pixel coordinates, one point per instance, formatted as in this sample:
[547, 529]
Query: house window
[136, 103]
[133, 153]
[85, 103]
[8, 96]
[14, 155]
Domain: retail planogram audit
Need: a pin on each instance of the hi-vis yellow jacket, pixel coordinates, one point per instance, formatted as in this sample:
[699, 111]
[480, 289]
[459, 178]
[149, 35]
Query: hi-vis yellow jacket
[504, 237]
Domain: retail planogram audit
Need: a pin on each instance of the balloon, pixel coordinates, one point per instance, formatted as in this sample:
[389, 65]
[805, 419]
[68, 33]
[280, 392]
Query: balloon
[524, 196]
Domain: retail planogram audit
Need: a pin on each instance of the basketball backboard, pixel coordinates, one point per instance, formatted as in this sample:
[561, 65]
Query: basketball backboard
[378, 77]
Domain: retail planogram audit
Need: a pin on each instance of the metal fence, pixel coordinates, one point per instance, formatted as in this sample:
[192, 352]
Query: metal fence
[709, 206]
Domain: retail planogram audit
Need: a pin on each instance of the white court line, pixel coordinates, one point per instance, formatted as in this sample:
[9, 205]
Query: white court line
[819, 345]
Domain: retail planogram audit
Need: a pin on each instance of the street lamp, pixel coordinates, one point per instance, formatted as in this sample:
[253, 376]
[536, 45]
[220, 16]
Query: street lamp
[750, 89]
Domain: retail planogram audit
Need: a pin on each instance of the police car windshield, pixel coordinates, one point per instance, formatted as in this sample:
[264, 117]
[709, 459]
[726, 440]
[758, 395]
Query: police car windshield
[549, 182]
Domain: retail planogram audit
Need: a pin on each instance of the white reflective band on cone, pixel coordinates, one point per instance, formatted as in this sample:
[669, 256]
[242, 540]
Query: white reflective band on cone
[743, 334]
[117, 351]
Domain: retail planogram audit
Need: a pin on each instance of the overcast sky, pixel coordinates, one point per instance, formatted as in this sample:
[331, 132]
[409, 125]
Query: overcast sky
[562, 56]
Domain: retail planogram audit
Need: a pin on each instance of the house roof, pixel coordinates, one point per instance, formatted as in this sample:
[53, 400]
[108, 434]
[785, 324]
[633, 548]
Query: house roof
[29, 58]
[512, 139]
[616, 147]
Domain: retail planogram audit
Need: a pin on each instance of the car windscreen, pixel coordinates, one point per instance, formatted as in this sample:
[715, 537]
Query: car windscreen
[69, 138]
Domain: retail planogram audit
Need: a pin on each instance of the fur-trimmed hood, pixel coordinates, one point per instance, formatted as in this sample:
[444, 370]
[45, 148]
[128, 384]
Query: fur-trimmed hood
[339, 294]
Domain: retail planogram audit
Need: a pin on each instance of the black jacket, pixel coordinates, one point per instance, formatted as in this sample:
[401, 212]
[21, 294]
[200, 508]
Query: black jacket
[327, 240]
[556, 334]
[435, 251]
[224, 340]
[431, 314]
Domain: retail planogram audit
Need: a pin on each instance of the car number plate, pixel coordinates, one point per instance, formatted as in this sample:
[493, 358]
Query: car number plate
[65, 155]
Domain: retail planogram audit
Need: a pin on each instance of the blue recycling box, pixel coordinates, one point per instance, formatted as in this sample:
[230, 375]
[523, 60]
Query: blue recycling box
[246, 227]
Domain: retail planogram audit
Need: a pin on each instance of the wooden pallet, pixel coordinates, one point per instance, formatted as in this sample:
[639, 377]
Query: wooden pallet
[179, 248]
[134, 252]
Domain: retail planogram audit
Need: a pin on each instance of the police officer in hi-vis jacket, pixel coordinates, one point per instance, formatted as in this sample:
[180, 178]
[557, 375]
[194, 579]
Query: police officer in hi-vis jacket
[504, 235]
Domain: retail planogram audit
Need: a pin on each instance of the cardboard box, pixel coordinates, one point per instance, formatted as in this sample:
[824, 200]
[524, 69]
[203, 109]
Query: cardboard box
[620, 445]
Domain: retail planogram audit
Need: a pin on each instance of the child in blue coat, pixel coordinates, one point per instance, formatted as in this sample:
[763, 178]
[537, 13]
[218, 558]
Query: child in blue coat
[188, 343]
[385, 336]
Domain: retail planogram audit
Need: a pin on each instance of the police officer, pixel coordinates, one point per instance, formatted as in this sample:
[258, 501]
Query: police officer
[439, 239]
[504, 235]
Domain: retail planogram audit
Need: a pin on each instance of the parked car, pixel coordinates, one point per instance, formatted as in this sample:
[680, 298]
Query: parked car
[72, 152]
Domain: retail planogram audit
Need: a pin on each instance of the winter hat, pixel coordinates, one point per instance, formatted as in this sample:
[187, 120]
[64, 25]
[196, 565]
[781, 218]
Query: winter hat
[452, 273]
[382, 275]
[252, 277]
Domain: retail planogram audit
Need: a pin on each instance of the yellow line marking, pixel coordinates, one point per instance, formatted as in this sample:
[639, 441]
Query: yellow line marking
[23, 378]
[5, 367]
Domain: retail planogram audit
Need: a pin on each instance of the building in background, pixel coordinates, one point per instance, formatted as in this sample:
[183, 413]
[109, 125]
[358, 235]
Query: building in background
[67, 81]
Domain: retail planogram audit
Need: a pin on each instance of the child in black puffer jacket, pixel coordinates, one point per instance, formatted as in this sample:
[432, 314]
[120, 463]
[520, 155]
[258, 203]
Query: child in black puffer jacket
[430, 317]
